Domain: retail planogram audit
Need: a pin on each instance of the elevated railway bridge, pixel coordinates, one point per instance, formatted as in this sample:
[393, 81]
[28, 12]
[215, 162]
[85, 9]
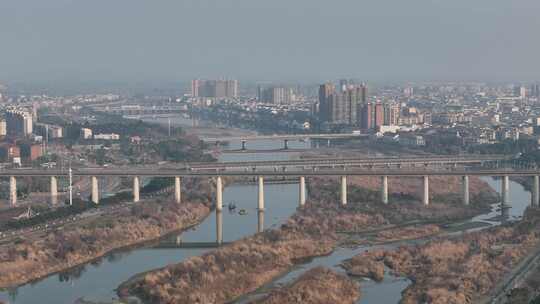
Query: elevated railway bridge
[384, 168]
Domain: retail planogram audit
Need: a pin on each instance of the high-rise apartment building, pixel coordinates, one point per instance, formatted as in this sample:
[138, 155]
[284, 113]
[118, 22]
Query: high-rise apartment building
[325, 91]
[372, 115]
[341, 107]
[379, 115]
[3, 128]
[535, 90]
[391, 114]
[275, 95]
[516, 90]
[366, 117]
[214, 88]
[18, 122]
[364, 93]
[408, 92]
[523, 93]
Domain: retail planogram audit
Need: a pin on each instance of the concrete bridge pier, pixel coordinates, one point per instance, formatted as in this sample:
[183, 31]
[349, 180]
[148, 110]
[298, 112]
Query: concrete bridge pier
[344, 190]
[425, 197]
[177, 190]
[384, 189]
[465, 190]
[219, 227]
[54, 190]
[505, 190]
[219, 194]
[536, 191]
[95, 190]
[260, 204]
[302, 192]
[260, 221]
[13, 191]
[136, 189]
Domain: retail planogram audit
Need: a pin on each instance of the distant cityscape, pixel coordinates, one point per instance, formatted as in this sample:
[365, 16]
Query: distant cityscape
[412, 114]
[479, 113]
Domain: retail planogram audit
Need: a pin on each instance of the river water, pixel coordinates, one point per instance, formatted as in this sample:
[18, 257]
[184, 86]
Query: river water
[97, 281]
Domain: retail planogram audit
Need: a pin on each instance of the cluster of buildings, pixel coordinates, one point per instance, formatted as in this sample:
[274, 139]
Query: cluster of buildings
[19, 151]
[222, 88]
[48, 131]
[22, 137]
[464, 115]
[341, 106]
[349, 105]
[276, 95]
[524, 92]
[19, 122]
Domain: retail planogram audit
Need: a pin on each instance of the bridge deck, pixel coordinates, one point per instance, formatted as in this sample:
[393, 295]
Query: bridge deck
[348, 161]
[251, 173]
[304, 167]
[283, 137]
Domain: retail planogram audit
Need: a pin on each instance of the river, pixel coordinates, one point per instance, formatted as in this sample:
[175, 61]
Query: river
[97, 281]
[389, 290]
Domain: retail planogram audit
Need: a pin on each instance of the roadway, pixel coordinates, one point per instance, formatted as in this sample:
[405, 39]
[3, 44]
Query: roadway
[290, 172]
[37, 230]
[415, 166]
[284, 137]
[320, 162]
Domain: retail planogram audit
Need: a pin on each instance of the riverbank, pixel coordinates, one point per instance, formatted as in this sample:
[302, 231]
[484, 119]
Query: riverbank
[454, 269]
[227, 273]
[245, 265]
[317, 286]
[29, 260]
[405, 200]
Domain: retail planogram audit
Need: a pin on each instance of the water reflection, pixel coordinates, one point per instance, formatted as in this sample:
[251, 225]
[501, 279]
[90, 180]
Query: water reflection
[260, 221]
[219, 227]
[97, 281]
[517, 198]
[389, 290]
[72, 274]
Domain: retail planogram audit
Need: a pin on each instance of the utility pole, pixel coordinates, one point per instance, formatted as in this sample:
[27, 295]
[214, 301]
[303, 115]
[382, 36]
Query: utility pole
[70, 186]
[46, 138]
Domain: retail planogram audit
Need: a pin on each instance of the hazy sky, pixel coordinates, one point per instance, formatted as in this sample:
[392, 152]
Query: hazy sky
[309, 40]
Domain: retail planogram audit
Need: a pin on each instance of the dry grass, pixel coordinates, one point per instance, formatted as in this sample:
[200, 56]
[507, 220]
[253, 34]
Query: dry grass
[316, 286]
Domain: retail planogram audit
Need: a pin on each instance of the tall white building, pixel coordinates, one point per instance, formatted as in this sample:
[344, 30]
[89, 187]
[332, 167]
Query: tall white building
[523, 92]
[28, 124]
[3, 128]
